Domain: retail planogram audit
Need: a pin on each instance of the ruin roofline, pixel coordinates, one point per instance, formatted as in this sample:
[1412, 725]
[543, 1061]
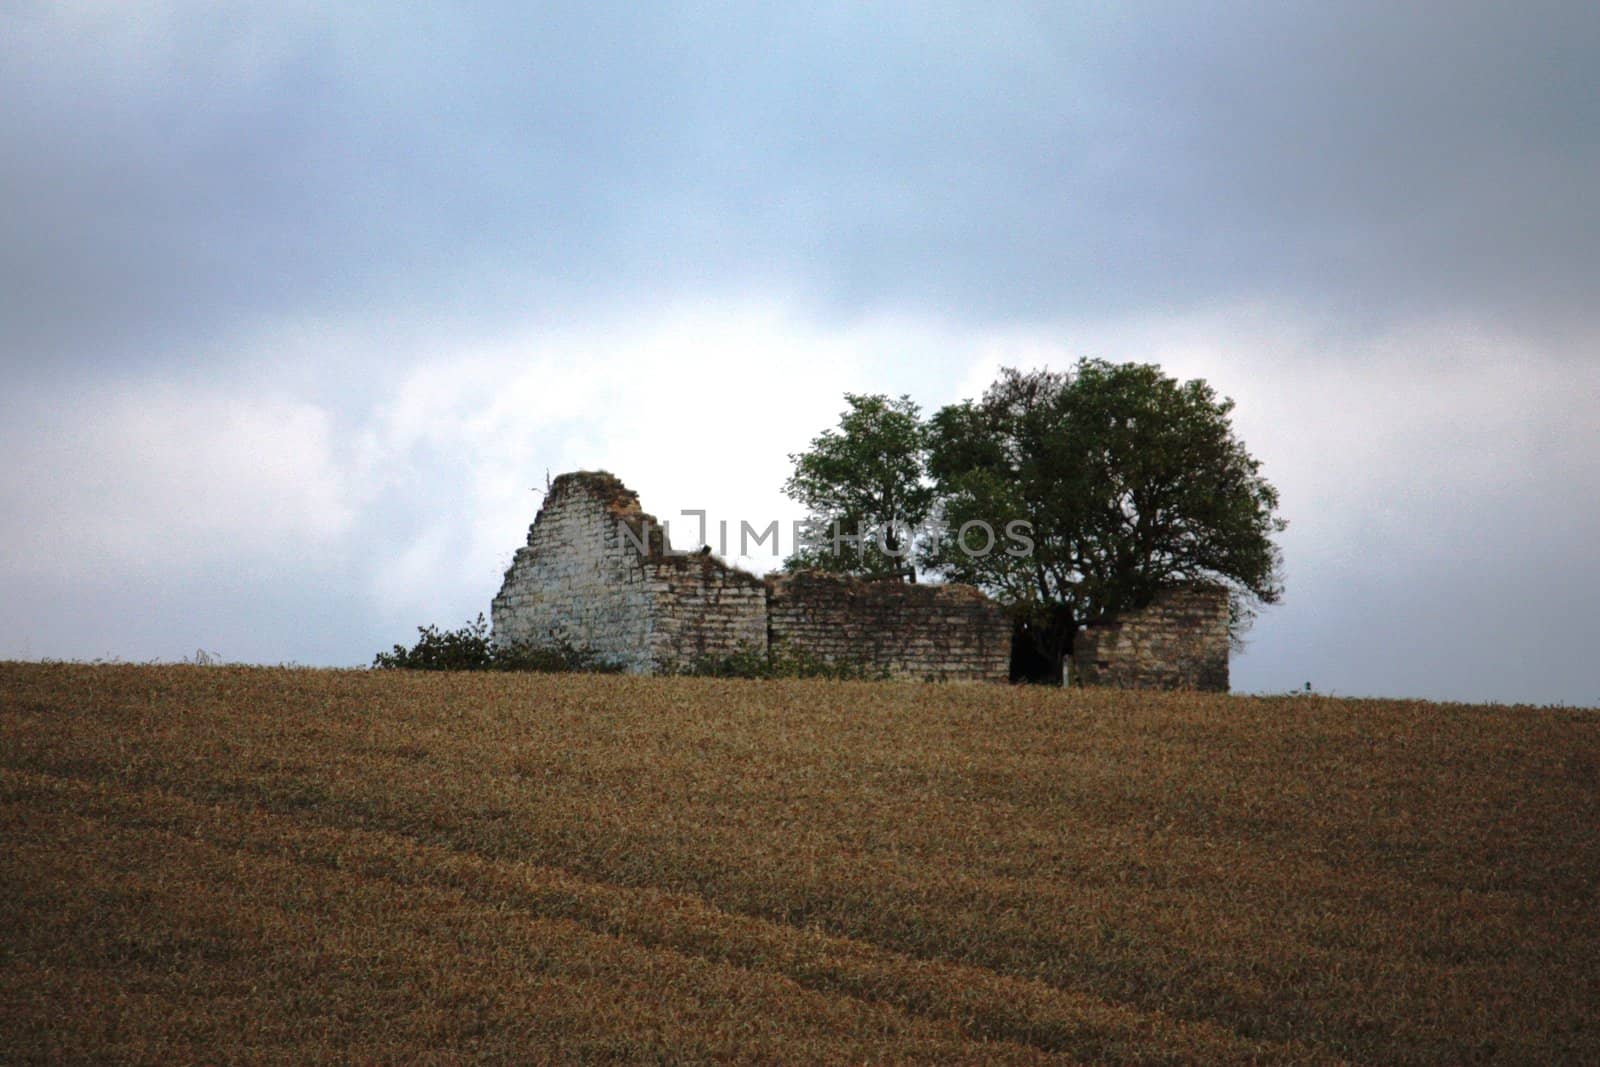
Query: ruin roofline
[622, 504]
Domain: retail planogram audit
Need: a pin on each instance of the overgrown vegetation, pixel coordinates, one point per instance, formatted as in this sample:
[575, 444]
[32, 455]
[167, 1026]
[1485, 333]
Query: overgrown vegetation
[472, 649]
[238, 864]
[1084, 492]
[866, 479]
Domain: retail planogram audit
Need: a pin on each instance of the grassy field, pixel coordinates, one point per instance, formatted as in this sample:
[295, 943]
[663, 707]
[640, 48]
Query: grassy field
[223, 864]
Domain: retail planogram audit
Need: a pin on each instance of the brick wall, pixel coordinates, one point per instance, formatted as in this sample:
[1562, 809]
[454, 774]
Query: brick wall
[944, 632]
[1180, 641]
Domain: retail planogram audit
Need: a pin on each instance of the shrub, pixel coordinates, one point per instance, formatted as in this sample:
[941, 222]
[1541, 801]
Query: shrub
[471, 649]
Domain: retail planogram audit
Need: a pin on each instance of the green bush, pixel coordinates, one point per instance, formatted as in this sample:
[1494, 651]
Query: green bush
[471, 649]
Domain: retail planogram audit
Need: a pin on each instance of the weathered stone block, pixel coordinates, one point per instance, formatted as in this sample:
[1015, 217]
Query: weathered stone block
[1178, 641]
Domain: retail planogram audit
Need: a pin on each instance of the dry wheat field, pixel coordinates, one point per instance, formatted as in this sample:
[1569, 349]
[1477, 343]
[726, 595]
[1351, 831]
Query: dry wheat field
[227, 864]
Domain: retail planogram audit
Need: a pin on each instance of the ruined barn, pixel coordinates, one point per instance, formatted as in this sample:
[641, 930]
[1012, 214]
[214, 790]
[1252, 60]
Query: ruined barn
[598, 574]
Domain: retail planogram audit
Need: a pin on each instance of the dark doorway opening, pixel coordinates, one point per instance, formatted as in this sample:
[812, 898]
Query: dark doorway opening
[1030, 665]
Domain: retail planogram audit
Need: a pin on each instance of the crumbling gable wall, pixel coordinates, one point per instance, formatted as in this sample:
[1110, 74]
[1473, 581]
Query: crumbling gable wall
[1179, 641]
[938, 632]
[598, 574]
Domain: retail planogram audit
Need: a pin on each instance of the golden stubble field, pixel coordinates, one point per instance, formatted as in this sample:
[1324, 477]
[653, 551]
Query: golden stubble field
[273, 865]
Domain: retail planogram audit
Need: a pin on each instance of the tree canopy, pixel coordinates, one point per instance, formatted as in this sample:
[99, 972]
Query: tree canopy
[864, 482]
[1128, 481]
[1131, 481]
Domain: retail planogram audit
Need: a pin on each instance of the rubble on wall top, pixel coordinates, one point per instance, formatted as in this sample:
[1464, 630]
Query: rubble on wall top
[858, 584]
[622, 503]
[601, 485]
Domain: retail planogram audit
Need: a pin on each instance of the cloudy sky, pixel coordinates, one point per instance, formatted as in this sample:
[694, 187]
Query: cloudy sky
[300, 302]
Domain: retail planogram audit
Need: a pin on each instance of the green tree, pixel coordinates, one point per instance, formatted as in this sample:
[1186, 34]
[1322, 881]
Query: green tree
[864, 486]
[1129, 479]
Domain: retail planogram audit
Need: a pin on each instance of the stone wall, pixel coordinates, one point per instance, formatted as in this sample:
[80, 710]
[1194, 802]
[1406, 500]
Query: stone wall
[598, 574]
[1180, 641]
[940, 632]
[705, 608]
[577, 580]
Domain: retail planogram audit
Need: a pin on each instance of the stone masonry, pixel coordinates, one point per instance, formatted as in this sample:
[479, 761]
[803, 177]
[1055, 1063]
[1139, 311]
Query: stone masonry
[936, 632]
[1179, 641]
[598, 574]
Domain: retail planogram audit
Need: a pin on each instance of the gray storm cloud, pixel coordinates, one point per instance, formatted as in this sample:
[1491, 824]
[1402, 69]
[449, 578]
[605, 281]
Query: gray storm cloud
[183, 168]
